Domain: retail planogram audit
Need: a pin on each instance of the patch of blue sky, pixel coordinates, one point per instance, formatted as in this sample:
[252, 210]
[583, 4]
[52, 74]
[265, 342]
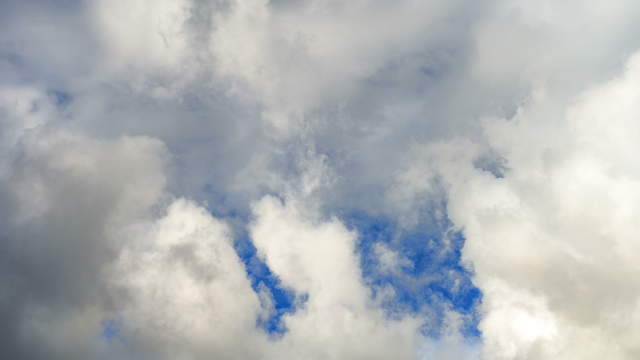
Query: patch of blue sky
[431, 282]
[110, 329]
[430, 279]
[428, 283]
[284, 301]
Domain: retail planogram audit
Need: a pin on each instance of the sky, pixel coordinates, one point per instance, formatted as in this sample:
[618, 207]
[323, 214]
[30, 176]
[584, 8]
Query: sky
[319, 179]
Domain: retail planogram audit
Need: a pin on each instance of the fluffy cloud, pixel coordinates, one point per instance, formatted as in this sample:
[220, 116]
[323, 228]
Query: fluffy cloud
[139, 35]
[110, 265]
[552, 242]
[171, 170]
[63, 195]
[338, 320]
[187, 293]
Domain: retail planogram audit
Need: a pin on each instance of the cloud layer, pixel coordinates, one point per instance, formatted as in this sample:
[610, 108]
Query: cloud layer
[319, 179]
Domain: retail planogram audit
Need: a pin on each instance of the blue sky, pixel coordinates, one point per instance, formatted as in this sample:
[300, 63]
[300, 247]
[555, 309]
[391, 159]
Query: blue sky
[451, 289]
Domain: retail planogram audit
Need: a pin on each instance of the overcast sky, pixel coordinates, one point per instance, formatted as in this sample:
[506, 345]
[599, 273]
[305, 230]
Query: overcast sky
[319, 179]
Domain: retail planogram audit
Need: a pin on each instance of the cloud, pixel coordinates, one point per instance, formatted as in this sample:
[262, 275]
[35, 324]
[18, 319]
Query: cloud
[552, 241]
[317, 259]
[187, 293]
[318, 179]
[63, 197]
[297, 56]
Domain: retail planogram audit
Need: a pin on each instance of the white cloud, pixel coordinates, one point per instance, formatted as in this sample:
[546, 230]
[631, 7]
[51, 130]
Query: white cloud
[144, 36]
[317, 258]
[552, 243]
[188, 295]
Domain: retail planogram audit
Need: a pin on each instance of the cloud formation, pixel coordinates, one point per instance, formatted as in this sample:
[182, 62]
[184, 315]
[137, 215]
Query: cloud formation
[562, 217]
[319, 179]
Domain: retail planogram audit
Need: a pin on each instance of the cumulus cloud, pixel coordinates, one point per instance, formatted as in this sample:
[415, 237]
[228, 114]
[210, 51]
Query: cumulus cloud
[338, 319]
[63, 195]
[319, 179]
[187, 293]
[552, 241]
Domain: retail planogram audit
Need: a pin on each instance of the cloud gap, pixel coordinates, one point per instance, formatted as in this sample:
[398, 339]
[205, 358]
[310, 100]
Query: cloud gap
[427, 278]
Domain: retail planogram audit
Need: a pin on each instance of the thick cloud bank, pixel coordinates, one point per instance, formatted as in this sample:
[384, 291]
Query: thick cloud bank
[554, 242]
[319, 179]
